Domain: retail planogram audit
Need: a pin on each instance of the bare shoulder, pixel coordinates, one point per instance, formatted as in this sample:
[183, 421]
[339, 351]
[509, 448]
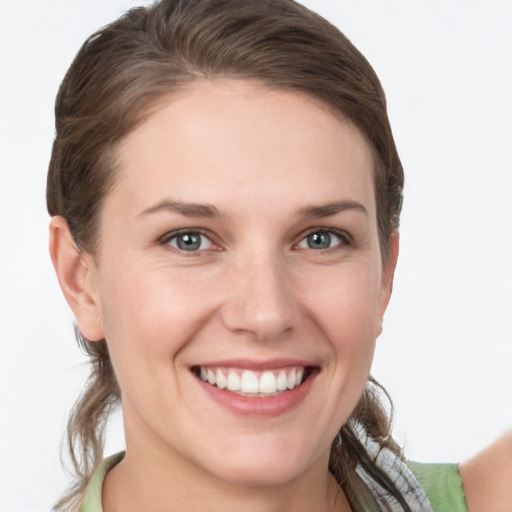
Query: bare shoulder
[487, 477]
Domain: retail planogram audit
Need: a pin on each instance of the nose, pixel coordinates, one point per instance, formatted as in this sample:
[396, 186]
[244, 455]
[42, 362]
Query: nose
[260, 300]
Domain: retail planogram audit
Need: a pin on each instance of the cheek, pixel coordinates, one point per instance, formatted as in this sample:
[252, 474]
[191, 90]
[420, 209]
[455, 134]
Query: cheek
[136, 295]
[346, 312]
[149, 314]
[345, 302]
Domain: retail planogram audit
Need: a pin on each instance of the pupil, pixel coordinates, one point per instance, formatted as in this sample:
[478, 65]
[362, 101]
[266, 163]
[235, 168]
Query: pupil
[319, 241]
[189, 242]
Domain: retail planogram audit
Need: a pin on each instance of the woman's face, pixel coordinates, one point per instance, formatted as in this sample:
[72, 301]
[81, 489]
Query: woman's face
[239, 281]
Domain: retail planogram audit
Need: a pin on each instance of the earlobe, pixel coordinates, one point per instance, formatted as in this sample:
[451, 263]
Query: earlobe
[77, 275]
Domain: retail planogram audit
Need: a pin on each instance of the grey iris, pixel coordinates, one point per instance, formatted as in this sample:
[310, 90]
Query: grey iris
[319, 240]
[189, 241]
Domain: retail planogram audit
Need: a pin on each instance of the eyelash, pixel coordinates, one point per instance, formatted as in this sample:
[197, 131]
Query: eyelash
[344, 237]
[168, 237]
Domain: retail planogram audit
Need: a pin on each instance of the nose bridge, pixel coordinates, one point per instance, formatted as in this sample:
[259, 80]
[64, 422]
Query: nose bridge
[261, 299]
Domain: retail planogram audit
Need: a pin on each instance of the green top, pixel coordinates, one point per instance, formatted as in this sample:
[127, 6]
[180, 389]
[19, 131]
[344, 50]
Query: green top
[441, 482]
[92, 501]
[442, 485]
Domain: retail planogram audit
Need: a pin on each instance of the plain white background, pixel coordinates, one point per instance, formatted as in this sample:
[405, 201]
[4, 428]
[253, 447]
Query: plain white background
[445, 355]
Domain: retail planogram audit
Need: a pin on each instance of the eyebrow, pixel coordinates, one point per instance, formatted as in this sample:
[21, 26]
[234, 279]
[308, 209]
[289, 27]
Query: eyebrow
[330, 209]
[209, 211]
[186, 209]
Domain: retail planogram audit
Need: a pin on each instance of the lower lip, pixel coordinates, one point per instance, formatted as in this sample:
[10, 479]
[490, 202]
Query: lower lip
[259, 406]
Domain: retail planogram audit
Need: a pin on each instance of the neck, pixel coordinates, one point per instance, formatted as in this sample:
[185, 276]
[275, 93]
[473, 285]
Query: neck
[126, 491]
[154, 480]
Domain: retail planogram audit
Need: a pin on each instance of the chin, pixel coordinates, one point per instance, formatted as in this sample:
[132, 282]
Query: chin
[264, 463]
[260, 474]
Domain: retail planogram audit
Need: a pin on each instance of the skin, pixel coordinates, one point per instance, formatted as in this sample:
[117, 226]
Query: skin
[487, 477]
[259, 158]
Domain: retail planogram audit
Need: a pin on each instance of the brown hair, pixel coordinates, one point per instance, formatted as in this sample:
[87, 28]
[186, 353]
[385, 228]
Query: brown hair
[122, 70]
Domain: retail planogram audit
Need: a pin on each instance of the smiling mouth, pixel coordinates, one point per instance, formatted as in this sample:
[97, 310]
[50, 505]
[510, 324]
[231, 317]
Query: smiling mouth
[254, 383]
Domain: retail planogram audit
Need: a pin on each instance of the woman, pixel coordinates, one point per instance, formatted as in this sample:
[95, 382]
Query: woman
[225, 193]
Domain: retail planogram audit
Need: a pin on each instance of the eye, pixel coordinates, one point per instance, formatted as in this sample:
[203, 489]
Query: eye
[189, 241]
[321, 240]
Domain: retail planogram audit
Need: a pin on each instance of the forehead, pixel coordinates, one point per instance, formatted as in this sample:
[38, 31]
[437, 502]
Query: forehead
[226, 139]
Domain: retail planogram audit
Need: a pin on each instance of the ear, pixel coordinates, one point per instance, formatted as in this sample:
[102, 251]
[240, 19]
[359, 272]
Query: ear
[388, 274]
[78, 278]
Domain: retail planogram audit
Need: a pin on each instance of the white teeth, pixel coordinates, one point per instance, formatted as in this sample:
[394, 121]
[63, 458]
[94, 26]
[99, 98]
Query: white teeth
[268, 383]
[249, 382]
[233, 381]
[291, 379]
[282, 381]
[221, 380]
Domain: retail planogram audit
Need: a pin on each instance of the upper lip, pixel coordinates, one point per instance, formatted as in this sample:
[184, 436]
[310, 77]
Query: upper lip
[256, 365]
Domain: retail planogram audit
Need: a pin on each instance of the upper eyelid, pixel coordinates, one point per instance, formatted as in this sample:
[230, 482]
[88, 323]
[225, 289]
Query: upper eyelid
[343, 234]
[165, 242]
[174, 233]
